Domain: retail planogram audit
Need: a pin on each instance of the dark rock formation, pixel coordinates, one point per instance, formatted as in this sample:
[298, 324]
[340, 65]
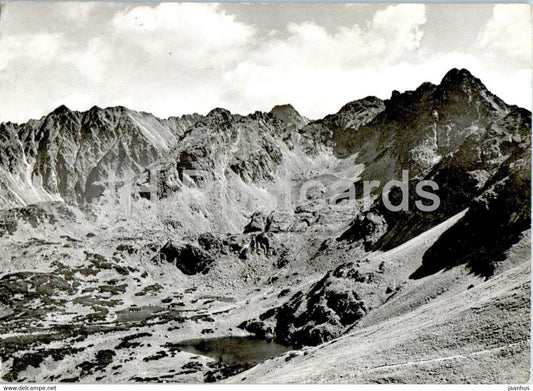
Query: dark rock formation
[291, 119]
[279, 222]
[34, 215]
[319, 314]
[493, 223]
[460, 148]
[335, 129]
[256, 224]
[367, 229]
[188, 258]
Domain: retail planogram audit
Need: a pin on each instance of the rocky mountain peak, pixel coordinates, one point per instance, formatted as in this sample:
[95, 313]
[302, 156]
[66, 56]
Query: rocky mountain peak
[461, 81]
[460, 77]
[220, 114]
[289, 116]
[361, 104]
[459, 86]
[97, 117]
[284, 111]
[61, 110]
[61, 114]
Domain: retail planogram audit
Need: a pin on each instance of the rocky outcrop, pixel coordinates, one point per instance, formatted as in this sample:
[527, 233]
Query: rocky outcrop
[319, 314]
[288, 115]
[188, 258]
[279, 222]
[335, 129]
[494, 222]
[34, 216]
[261, 244]
[476, 133]
[256, 224]
[367, 229]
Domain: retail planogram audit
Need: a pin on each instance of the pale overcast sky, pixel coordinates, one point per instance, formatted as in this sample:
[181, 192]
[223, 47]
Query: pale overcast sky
[178, 58]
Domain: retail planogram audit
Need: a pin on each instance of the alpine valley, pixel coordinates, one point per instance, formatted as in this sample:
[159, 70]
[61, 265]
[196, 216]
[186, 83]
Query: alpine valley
[216, 248]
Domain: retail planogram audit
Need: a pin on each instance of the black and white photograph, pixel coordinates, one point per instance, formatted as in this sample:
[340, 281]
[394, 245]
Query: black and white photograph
[265, 193]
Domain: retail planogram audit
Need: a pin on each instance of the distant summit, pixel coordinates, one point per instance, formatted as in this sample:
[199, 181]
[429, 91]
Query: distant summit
[289, 116]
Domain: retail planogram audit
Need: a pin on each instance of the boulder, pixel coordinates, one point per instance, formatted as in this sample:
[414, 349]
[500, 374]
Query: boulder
[279, 222]
[188, 258]
[256, 224]
[366, 229]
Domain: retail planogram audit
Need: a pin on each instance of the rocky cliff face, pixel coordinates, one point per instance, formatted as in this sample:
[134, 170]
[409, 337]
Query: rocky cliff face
[324, 311]
[456, 134]
[495, 221]
[338, 130]
[418, 128]
[73, 157]
[67, 155]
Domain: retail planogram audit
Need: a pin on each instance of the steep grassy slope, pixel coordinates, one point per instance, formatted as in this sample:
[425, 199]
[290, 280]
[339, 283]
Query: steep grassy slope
[450, 327]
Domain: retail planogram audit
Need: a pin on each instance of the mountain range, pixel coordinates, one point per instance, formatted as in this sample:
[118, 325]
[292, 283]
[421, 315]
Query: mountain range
[114, 221]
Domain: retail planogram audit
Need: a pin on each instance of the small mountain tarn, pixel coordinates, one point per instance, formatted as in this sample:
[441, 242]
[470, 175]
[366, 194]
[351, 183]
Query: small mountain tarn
[234, 350]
